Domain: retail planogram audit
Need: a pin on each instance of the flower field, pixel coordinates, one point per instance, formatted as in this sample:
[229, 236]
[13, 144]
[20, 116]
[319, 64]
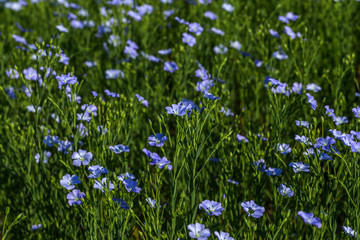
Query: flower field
[179, 119]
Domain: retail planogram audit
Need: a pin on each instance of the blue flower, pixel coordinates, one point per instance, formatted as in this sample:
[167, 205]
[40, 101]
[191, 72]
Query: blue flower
[303, 139]
[69, 182]
[355, 146]
[206, 2]
[119, 148]
[111, 94]
[288, 31]
[61, 28]
[36, 227]
[104, 185]
[349, 231]
[151, 58]
[258, 63]
[302, 123]
[157, 140]
[189, 39]
[10, 92]
[352, 132]
[210, 15]
[313, 87]
[131, 52]
[195, 28]
[283, 148]
[114, 40]
[233, 181]
[101, 129]
[280, 55]
[123, 177]
[19, 39]
[309, 152]
[347, 139]
[122, 203]
[356, 112]
[312, 101]
[340, 120]
[142, 100]
[72, 96]
[252, 209]
[127, 180]
[299, 167]
[81, 157]
[310, 219]
[291, 16]
[241, 138]
[205, 85]
[325, 156]
[170, 67]
[51, 140]
[161, 162]
[77, 24]
[47, 155]
[212, 208]
[274, 33]
[260, 165]
[281, 88]
[283, 19]
[74, 197]
[90, 64]
[210, 96]
[217, 31]
[89, 109]
[27, 90]
[96, 171]
[181, 21]
[227, 112]
[227, 7]
[236, 45]
[337, 134]
[177, 109]
[223, 236]
[157, 160]
[82, 130]
[144, 9]
[297, 88]
[66, 79]
[114, 74]
[165, 51]
[329, 111]
[269, 81]
[220, 49]
[190, 105]
[136, 16]
[168, 13]
[325, 144]
[32, 108]
[198, 231]
[201, 73]
[12, 73]
[131, 186]
[261, 137]
[273, 171]
[151, 202]
[83, 117]
[285, 191]
[64, 59]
